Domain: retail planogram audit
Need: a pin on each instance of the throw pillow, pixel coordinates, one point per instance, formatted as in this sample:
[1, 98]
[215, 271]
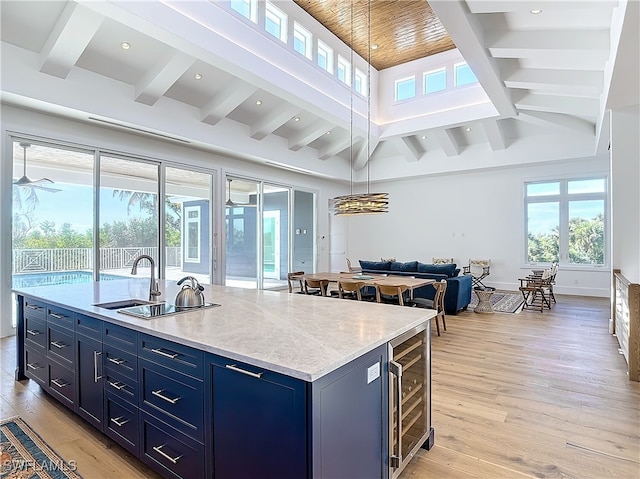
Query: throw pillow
[442, 260]
[375, 265]
[409, 267]
[448, 269]
[388, 260]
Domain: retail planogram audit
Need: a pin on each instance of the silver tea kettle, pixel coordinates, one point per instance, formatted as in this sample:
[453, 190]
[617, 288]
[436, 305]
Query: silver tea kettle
[190, 296]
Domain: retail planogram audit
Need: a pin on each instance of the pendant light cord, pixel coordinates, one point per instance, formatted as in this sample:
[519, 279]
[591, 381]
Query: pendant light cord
[368, 94]
[351, 111]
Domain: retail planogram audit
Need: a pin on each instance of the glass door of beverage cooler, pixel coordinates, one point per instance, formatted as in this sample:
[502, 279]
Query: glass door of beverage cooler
[410, 396]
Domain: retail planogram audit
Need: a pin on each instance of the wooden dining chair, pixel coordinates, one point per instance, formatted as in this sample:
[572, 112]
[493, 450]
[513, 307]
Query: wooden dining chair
[354, 288]
[388, 293]
[293, 277]
[353, 269]
[436, 303]
[316, 287]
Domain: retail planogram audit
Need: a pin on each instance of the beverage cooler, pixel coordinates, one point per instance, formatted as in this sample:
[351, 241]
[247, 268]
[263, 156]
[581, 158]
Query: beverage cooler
[409, 397]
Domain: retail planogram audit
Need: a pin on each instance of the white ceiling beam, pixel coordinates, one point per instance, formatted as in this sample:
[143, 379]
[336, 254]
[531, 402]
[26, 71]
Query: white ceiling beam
[156, 82]
[363, 154]
[227, 100]
[592, 45]
[272, 121]
[468, 35]
[71, 34]
[557, 120]
[502, 6]
[409, 148]
[494, 134]
[585, 107]
[336, 147]
[447, 142]
[306, 136]
[567, 82]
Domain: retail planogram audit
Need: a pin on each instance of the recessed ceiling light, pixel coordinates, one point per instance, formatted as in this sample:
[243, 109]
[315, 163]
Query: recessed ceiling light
[424, 137]
[374, 46]
[535, 11]
[197, 76]
[328, 133]
[125, 45]
[467, 129]
[258, 102]
[296, 118]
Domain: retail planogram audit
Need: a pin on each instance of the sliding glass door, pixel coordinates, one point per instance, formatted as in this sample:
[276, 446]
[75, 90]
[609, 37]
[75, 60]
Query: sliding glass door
[243, 231]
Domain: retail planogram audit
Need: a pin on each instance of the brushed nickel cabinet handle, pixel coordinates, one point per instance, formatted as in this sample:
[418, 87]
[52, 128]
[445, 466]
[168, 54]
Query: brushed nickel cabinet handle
[58, 316]
[31, 306]
[58, 383]
[118, 385]
[95, 366]
[58, 344]
[159, 450]
[118, 421]
[159, 394]
[116, 361]
[33, 332]
[235, 368]
[34, 366]
[170, 355]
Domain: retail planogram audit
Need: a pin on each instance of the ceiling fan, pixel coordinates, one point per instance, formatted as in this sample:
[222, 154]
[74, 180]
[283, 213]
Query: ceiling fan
[232, 203]
[27, 182]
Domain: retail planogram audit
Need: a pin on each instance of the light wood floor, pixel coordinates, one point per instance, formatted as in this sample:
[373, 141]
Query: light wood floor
[526, 395]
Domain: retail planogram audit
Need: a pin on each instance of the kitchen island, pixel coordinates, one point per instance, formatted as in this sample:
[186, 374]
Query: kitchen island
[266, 384]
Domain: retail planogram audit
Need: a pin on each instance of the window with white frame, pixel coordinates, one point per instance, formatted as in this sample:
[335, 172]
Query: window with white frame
[463, 75]
[192, 234]
[435, 80]
[344, 70]
[246, 8]
[565, 221]
[275, 22]
[405, 88]
[360, 82]
[325, 57]
[302, 40]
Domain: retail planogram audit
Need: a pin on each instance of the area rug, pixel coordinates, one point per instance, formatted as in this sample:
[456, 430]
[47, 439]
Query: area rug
[501, 302]
[24, 455]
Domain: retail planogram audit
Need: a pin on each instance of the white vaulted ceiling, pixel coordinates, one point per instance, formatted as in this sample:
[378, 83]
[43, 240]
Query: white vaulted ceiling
[547, 78]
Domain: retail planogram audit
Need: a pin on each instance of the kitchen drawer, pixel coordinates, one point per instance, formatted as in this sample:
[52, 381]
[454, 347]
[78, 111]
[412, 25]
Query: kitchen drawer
[36, 365]
[88, 326]
[35, 332]
[60, 316]
[124, 387]
[173, 355]
[122, 338]
[122, 423]
[60, 345]
[62, 383]
[174, 397]
[120, 361]
[170, 452]
[35, 308]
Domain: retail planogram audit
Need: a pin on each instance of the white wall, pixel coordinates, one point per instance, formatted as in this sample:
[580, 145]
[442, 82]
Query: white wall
[476, 214]
[625, 178]
[18, 121]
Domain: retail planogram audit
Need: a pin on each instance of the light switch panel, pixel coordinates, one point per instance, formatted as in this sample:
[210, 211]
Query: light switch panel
[373, 372]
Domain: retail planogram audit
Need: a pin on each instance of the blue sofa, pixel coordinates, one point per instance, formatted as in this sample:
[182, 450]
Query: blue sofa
[458, 295]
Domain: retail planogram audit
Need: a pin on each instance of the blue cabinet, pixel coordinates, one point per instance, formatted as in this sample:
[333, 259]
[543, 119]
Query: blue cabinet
[90, 397]
[259, 422]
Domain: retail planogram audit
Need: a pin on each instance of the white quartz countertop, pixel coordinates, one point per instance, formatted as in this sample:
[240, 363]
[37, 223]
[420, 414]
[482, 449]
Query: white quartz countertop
[301, 336]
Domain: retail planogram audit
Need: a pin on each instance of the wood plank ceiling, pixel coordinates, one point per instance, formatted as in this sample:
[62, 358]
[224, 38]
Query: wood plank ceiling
[403, 30]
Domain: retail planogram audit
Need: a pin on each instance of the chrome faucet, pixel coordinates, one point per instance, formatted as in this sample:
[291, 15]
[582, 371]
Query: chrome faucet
[153, 285]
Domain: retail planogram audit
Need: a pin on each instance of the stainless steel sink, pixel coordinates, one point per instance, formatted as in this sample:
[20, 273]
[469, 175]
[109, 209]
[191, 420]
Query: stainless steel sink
[123, 303]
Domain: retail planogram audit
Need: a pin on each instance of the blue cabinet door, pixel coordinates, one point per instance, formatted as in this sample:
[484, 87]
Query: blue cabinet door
[259, 422]
[89, 371]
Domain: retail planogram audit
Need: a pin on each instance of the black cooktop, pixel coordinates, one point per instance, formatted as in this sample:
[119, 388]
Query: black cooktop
[149, 311]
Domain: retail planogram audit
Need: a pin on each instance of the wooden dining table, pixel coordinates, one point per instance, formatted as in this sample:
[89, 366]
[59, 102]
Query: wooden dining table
[372, 279]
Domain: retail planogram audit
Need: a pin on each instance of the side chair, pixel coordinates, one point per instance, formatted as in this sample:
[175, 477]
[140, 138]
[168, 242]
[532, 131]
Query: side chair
[390, 293]
[353, 269]
[316, 287]
[293, 277]
[437, 303]
[353, 288]
[536, 290]
[478, 269]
